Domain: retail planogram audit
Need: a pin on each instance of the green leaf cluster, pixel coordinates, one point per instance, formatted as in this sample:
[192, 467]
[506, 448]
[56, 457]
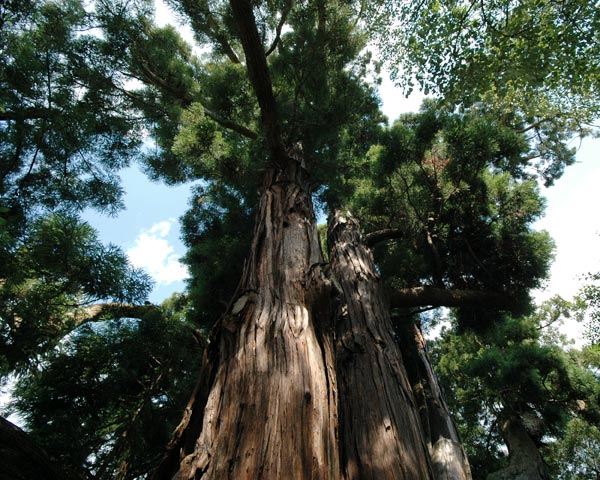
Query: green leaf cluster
[510, 369]
[66, 129]
[533, 64]
[457, 189]
[53, 268]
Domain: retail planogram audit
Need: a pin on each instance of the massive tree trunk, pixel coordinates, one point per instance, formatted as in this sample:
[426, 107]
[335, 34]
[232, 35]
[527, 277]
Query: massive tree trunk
[268, 407]
[272, 407]
[447, 454]
[525, 461]
[380, 435]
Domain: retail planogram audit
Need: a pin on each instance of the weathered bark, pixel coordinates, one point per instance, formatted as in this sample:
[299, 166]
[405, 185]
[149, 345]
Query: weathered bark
[525, 461]
[447, 454]
[22, 459]
[272, 407]
[380, 434]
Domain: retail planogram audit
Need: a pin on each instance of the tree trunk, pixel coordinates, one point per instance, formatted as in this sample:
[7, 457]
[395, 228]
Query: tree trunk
[271, 410]
[380, 434]
[22, 459]
[525, 461]
[272, 407]
[447, 454]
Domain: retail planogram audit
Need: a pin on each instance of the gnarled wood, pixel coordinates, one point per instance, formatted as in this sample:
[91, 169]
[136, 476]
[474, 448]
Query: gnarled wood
[380, 434]
[448, 458]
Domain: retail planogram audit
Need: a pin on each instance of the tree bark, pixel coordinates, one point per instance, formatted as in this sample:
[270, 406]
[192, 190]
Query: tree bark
[272, 407]
[448, 457]
[22, 459]
[525, 461]
[380, 434]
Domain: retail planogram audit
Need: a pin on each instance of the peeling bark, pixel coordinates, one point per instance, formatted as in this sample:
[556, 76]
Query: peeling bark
[448, 457]
[272, 407]
[380, 434]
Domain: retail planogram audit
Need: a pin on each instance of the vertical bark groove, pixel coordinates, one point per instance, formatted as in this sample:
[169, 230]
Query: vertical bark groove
[380, 434]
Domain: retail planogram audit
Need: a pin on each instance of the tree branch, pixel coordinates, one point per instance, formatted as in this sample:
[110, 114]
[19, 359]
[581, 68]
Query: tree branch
[186, 100]
[284, 14]
[103, 311]
[440, 297]
[258, 72]
[371, 239]
[226, 123]
[31, 113]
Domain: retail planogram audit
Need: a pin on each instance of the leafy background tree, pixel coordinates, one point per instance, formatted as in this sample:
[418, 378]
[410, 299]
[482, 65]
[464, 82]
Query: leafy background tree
[60, 155]
[118, 387]
[519, 367]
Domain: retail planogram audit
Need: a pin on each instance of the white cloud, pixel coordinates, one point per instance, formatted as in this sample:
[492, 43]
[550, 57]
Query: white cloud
[153, 253]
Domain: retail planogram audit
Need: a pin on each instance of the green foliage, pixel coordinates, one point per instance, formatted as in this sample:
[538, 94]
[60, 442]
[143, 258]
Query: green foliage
[48, 272]
[456, 186]
[511, 369]
[82, 87]
[533, 64]
[66, 129]
[217, 231]
[575, 456]
[588, 300]
[107, 399]
[63, 131]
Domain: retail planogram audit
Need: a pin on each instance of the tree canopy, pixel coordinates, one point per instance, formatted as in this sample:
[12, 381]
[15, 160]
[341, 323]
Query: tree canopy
[447, 196]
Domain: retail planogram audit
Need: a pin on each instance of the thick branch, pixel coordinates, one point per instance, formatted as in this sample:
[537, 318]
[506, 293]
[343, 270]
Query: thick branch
[258, 72]
[218, 35]
[226, 123]
[186, 100]
[371, 239]
[439, 297]
[282, 20]
[102, 311]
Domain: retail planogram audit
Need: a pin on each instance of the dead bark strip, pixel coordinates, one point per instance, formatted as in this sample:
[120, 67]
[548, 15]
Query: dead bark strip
[272, 408]
[380, 433]
[448, 457]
